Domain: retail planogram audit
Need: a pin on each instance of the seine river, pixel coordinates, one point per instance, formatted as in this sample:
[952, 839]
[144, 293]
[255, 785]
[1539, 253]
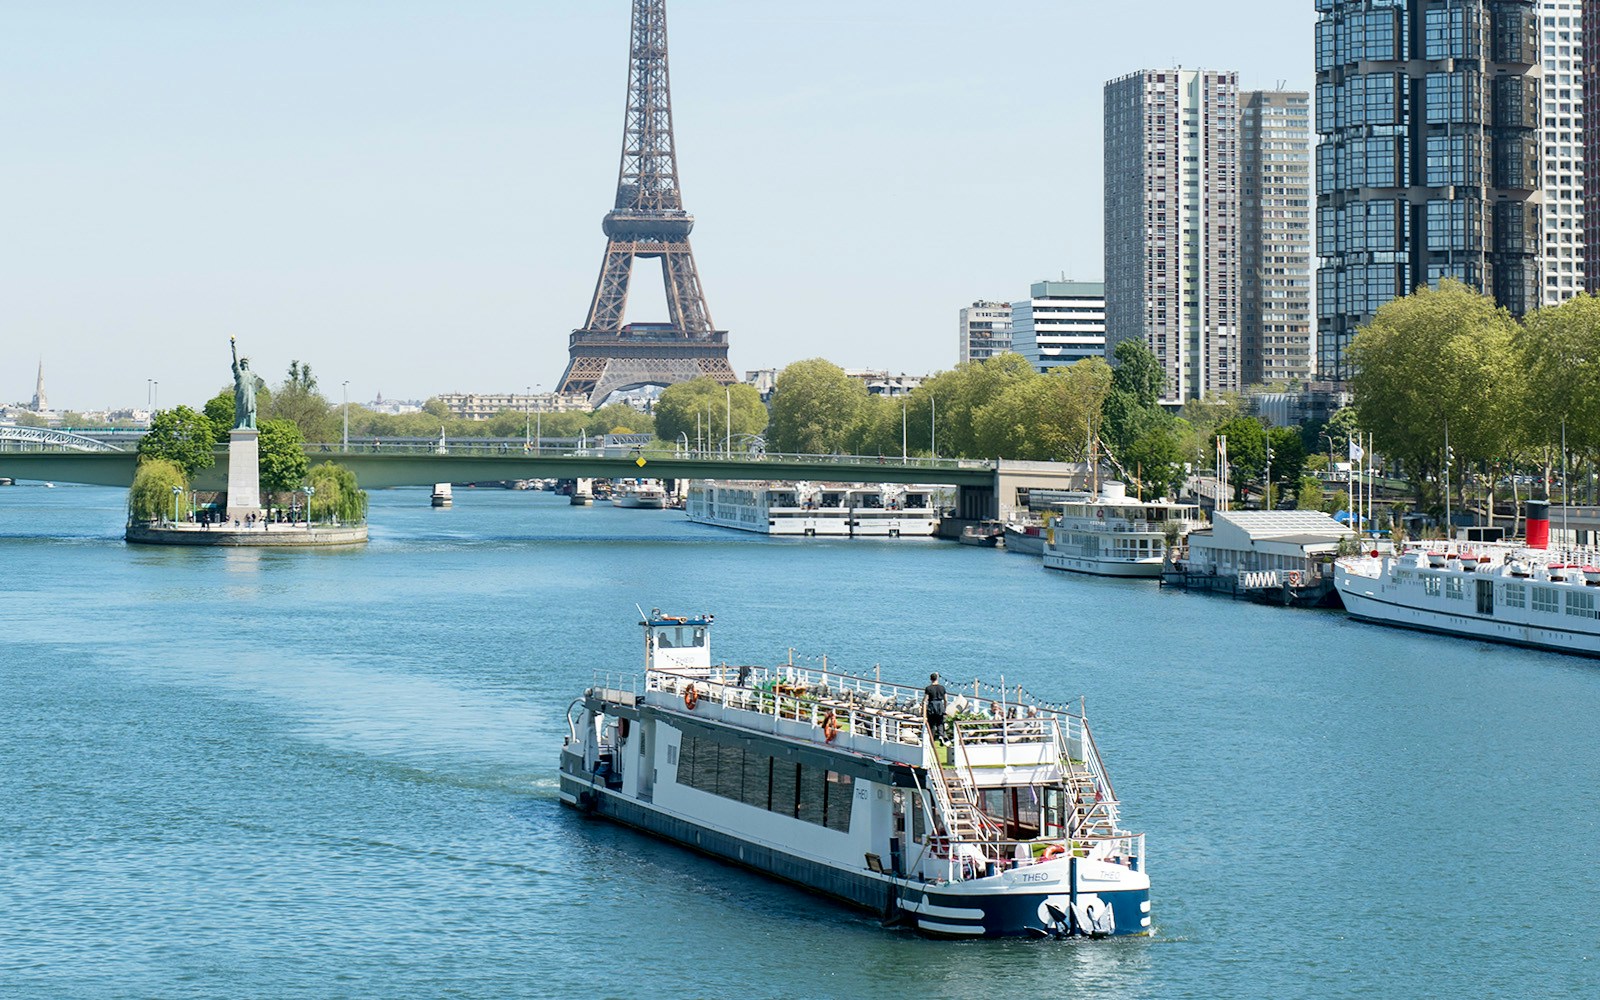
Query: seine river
[332, 774]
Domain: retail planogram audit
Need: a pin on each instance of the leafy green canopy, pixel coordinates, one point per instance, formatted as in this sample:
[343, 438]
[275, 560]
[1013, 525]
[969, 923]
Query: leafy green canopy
[150, 498]
[701, 409]
[182, 436]
[336, 494]
[282, 462]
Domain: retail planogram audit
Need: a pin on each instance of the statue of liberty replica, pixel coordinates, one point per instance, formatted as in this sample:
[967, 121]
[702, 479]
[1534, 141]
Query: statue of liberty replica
[244, 445]
[244, 390]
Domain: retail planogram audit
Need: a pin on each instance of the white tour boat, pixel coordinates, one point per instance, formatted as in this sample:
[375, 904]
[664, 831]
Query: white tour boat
[781, 508]
[1499, 593]
[1113, 534]
[832, 782]
[442, 496]
[638, 494]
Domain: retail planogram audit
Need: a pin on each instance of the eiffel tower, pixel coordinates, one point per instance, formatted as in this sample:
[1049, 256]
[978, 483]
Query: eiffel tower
[648, 221]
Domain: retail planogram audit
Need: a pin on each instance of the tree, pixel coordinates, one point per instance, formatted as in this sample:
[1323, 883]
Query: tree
[815, 408]
[699, 408]
[1559, 349]
[182, 436]
[1288, 455]
[1156, 458]
[1308, 496]
[1247, 450]
[1437, 359]
[618, 418]
[219, 410]
[1042, 418]
[1137, 372]
[336, 494]
[298, 400]
[282, 462]
[150, 498]
[436, 408]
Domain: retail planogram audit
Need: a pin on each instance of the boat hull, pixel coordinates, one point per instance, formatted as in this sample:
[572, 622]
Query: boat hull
[1364, 602]
[937, 912]
[1148, 570]
[639, 503]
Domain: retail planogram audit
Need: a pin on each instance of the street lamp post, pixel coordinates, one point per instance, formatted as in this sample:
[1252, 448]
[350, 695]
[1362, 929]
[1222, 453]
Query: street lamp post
[345, 443]
[157, 384]
[177, 491]
[527, 421]
[538, 427]
[933, 425]
[310, 491]
[905, 452]
[727, 446]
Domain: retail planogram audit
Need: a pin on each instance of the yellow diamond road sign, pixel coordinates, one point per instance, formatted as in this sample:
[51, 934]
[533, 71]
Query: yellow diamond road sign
[639, 462]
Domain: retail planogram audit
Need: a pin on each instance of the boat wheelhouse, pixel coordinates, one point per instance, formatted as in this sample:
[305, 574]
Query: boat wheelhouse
[816, 509]
[1498, 593]
[833, 781]
[1113, 534]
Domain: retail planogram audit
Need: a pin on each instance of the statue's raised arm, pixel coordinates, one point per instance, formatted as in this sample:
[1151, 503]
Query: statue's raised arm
[244, 390]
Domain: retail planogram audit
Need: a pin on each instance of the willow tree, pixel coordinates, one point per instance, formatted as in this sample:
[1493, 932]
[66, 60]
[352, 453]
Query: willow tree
[1433, 360]
[150, 498]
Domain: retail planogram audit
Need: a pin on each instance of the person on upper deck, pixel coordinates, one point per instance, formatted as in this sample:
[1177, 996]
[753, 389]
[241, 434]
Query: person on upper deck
[933, 706]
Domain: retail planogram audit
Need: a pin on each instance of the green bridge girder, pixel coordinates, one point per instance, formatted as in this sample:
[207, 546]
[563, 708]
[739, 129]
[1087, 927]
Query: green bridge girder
[381, 469]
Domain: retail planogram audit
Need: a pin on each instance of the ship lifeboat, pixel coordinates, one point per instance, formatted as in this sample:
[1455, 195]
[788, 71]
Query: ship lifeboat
[1436, 560]
[1468, 562]
[1519, 569]
[1591, 575]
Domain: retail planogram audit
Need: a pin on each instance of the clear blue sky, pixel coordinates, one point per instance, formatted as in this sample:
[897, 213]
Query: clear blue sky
[408, 194]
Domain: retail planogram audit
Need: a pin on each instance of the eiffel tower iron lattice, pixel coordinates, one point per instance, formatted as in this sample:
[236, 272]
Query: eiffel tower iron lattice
[648, 222]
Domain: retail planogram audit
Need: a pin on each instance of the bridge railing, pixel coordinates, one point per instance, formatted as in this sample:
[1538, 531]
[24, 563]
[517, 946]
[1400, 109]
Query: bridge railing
[493, 448]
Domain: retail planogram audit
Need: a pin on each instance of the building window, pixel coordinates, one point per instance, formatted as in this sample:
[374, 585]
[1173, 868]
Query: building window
[1546, 599]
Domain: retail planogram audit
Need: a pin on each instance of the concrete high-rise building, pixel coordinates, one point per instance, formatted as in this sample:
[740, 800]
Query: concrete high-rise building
[1561, 141]
[985, 330]
[1060, 324]
[1275, 236]
[1591, 145]
[1172, 224]
[1430, 163]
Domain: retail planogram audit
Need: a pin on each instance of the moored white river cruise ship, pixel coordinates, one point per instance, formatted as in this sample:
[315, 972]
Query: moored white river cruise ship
[1499, 593]
[780, 508]
[1113, 534]
[1006, 827]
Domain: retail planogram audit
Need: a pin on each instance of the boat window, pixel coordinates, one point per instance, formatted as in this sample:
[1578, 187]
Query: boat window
[1546, 599]
[730, 773]
[785, 787]
[840, 797]
[813, 794]
[757, 780]
[1454, 588]
[919, 823]
[1580, 604]
[1430, 586]
[1515, 596]
[699, 636]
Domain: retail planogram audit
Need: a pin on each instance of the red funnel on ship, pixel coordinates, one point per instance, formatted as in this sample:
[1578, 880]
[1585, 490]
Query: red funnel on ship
[1538, 513]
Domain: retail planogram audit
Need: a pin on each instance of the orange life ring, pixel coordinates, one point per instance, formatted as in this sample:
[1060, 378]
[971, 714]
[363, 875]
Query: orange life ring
[1053, 851]
[830, 728]
[691, 698]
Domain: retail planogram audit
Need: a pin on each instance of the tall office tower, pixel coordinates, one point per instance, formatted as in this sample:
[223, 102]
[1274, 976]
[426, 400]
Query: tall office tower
[1561, 141]
[1275, 235]
[1060, 324]
[985, 330]
[1429, 164]
[1591, 145]
[1172, 224]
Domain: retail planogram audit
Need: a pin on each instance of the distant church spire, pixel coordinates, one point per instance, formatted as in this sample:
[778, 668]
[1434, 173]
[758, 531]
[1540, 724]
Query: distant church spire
[41, 403]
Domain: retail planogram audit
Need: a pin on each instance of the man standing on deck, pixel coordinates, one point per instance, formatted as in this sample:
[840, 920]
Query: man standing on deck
[933, 705]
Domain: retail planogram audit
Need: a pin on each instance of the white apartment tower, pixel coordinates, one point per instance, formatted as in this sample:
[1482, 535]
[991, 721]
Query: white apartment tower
[1561, 148]
[1172, 224]
[985, 331]
[1060, 323]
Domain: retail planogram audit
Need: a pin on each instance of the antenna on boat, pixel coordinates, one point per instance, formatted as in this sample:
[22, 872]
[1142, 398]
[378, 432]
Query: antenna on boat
[642, 616]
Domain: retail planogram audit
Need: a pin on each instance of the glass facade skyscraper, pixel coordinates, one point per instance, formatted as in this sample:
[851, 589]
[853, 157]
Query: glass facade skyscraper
[1429, 164]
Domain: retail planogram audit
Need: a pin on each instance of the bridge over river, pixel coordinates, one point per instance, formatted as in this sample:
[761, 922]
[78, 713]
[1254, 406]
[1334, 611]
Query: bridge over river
[985, 489]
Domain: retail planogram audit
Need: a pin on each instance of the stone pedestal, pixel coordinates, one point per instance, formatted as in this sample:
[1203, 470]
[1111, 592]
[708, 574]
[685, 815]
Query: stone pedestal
[244, 474]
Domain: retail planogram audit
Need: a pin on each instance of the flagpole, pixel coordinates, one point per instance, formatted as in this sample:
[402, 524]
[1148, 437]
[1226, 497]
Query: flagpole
[1447, 531]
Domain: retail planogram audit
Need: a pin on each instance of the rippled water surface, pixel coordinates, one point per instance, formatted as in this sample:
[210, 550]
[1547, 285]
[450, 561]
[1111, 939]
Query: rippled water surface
[333, 773]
